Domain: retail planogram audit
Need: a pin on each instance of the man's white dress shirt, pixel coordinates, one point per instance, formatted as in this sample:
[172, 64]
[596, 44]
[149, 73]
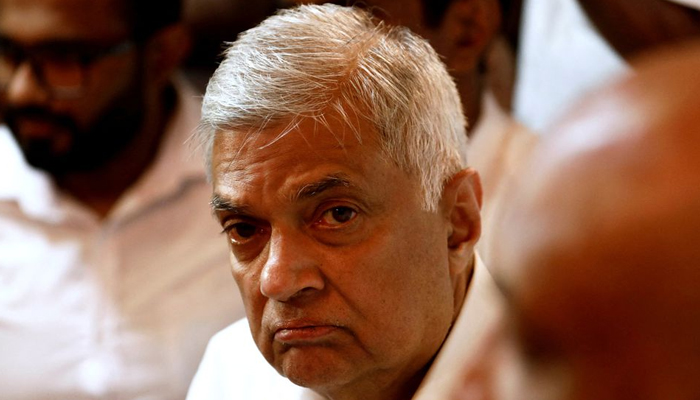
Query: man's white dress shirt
[119, 308]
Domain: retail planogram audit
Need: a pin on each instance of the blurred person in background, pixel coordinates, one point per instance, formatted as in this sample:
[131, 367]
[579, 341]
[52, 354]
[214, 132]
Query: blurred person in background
[211, 23]
[600, 258]
[113, 274]
[569, 47]
[634, 27]
[646, 39]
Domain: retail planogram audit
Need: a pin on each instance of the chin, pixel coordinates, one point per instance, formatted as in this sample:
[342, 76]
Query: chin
[311, 369]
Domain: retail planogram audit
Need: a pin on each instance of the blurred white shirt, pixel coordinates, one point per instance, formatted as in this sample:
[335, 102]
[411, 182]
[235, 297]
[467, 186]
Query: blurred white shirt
[120, 308]
[561, 58]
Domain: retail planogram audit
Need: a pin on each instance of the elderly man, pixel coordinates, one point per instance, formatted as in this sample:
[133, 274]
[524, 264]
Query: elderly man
[112, 280]
[336, 150]
[601, 255]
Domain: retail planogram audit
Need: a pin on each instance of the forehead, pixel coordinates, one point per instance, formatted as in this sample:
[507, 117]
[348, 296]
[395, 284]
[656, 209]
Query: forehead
[34, 21]
[265, 162]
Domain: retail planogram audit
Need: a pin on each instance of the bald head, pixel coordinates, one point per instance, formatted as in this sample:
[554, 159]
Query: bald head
[600, 256]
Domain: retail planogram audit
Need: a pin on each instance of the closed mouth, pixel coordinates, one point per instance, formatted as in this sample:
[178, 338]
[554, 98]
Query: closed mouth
[304, 333]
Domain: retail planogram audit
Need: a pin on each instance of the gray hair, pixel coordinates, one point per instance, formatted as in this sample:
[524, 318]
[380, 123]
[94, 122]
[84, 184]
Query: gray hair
[313, 59]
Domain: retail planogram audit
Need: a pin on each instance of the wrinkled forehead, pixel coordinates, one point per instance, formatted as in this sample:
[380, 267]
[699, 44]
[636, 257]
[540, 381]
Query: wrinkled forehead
[295, 139]
[36, 21]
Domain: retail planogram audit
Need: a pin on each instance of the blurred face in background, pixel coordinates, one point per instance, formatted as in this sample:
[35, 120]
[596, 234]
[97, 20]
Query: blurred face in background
[71, 87]
[459, 30]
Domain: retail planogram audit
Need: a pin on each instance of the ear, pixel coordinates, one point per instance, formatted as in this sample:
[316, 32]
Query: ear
[165, 51]
[461, 201]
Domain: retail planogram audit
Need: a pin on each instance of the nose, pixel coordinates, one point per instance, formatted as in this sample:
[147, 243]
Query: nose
[292, 269]
[24, 88]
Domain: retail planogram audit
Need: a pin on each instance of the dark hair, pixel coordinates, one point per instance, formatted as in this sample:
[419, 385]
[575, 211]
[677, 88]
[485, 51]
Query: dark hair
[434, 10]
[150, 16]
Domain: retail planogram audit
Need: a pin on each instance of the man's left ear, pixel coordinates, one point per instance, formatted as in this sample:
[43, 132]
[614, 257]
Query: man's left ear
[461, 201]
[165, 51]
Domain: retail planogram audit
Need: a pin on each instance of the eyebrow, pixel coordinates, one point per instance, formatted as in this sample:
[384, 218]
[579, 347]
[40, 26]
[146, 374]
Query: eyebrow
[325, 184]
[307, 191]
[220, 204]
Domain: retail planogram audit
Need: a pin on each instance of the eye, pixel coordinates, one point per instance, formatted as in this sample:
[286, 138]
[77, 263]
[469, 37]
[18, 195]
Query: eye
[242, 232]
[337, 216]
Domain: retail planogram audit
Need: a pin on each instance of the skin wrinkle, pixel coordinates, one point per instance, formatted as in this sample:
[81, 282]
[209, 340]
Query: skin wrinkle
[318, 187]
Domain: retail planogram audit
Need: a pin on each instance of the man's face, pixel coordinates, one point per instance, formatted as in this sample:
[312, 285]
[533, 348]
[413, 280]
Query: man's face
[344, 277]
[463, 34]
[79, 131]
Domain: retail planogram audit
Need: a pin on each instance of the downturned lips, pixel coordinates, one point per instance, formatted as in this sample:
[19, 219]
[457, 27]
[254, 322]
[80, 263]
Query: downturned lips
[299, 334]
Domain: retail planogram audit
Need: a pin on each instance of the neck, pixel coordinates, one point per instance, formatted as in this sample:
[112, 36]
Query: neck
[470, 87]
[101, 188]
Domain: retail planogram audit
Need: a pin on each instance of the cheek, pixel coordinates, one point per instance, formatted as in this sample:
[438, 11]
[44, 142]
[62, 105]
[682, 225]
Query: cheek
[248, 283]
[108, 85]
[406, 265]
[403, 281]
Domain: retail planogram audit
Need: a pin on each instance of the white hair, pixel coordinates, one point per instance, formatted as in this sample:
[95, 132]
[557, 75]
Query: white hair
[308, 61]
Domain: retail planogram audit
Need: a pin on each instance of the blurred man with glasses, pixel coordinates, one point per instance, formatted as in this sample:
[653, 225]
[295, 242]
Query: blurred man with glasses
[112, 277]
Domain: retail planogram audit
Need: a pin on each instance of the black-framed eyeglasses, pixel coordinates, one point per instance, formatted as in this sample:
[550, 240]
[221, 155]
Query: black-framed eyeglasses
[61, 67]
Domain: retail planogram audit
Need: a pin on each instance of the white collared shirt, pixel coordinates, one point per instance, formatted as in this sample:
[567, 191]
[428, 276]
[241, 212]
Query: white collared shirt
[120, 308]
